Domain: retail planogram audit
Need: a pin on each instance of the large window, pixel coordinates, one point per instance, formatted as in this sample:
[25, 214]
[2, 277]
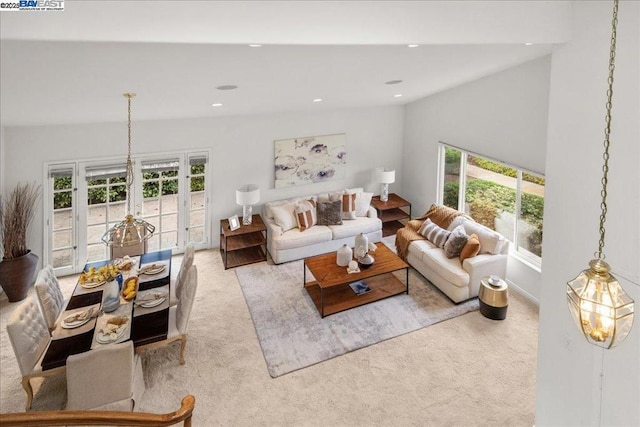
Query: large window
[86, 198]
[501, 197]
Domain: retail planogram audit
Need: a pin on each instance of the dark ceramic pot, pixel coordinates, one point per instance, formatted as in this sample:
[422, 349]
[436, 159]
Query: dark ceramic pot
[16, 275]
[365, 261]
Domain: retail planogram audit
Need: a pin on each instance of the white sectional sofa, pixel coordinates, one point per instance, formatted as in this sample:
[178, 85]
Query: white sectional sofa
[461, 280]
[292, 244]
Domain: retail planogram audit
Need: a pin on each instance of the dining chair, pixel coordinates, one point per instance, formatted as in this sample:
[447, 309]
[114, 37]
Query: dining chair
[185, 265]
[179, 315]
[109, 378]
[49, 295]
[29, 337]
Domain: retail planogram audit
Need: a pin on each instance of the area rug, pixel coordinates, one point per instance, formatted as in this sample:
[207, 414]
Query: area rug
[294, 336]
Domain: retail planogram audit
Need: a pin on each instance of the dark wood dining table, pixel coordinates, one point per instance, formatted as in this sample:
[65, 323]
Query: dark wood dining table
[146, 324]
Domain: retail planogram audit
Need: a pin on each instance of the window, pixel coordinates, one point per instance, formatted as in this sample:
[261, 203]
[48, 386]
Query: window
[499, 196]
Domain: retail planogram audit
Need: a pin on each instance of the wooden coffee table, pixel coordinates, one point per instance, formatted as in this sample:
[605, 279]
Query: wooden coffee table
[331, 292]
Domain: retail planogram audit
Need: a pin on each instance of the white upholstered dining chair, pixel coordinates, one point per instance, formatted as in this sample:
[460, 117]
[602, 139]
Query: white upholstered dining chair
[29, 337]
[179, 314]
[49, 295]
[109, 378]
[185, 265]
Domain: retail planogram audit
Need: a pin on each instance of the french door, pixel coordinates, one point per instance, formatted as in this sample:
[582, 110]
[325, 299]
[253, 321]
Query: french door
[85, 199]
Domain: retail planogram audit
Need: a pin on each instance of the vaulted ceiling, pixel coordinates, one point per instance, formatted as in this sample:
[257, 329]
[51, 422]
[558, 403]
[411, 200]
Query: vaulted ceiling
[72, 66]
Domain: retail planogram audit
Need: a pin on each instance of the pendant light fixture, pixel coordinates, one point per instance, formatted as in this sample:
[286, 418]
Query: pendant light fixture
[130, 231]
[600, 307]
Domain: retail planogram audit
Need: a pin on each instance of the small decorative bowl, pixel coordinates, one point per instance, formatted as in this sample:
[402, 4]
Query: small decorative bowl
[365, 261]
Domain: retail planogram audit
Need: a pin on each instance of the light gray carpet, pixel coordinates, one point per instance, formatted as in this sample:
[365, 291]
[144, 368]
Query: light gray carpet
[467, 371]
[293, 335]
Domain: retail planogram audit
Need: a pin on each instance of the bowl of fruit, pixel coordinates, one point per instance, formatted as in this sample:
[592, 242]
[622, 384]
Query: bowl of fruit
[130, 288]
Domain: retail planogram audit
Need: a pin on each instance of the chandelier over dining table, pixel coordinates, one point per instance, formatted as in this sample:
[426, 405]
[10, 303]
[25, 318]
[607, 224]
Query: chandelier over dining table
[130, 231]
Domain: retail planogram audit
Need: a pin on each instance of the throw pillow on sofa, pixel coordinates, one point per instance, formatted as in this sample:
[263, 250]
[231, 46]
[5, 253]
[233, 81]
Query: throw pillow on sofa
[329, 213]
[306, 215]
[456, 241]
[285, 216]
[363, 201]
[434, 233]
[348, 206]
[471, 248]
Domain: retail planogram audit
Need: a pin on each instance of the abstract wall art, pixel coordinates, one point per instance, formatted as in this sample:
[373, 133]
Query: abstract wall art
[308, 160]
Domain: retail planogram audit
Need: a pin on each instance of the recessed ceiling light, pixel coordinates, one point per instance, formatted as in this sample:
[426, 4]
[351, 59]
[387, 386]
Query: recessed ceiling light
[317, 100]
[397, 95]
[528, 44]
[413, 45]
[255, 45]
[217, 104]
[393, 82]
[227, 87]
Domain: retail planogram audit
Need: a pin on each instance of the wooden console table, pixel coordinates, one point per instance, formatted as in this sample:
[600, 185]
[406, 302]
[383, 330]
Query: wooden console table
[391, 213]
[244, 245]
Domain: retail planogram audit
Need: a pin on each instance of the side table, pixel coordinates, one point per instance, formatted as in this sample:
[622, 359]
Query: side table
[244, 245]
[494, 297]
[391, 213]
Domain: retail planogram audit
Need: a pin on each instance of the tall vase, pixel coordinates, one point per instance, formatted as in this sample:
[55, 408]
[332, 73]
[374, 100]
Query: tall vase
[361, 245]
[16, 275]
[344, 255]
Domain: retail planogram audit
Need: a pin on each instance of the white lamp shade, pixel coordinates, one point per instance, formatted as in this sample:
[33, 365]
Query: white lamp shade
[248, 195]
[387, 176]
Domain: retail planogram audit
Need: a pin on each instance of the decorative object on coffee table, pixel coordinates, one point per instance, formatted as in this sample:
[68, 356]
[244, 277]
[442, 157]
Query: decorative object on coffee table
[246, 196]
[386, 177]
[18, 264]
[365, 261]
[344, 255]
[362, 245]
[244, 245]
[391, 213]
[494, 297]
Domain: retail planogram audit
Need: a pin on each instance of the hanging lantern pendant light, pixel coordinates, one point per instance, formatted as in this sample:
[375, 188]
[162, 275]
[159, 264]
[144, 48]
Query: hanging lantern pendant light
[598, 304]
[130, 231]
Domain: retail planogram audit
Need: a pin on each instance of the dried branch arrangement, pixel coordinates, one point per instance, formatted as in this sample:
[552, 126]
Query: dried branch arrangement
[16, 213]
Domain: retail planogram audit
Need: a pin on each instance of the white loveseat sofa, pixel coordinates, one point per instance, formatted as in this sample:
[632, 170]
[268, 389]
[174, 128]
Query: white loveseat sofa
[292, 244]
[461, 280]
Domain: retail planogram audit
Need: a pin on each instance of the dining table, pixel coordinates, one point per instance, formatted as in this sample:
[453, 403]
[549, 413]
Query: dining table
[83, 323]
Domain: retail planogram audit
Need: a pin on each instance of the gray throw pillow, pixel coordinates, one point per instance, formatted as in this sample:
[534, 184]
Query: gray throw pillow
[329, 213]
[456, 241]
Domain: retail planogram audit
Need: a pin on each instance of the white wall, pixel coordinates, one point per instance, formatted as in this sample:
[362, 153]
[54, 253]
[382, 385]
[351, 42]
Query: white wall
[503, 116]
[242, 150]
[569, 368]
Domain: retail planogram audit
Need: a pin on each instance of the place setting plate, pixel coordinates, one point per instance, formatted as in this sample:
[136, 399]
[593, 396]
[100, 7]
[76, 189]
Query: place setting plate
[77, 320]
[151, 300]
[91, 285]
[152, 269]
[108, 334]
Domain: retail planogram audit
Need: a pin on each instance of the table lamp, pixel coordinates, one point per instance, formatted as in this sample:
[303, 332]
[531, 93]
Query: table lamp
[246, 196]
[386, 177]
